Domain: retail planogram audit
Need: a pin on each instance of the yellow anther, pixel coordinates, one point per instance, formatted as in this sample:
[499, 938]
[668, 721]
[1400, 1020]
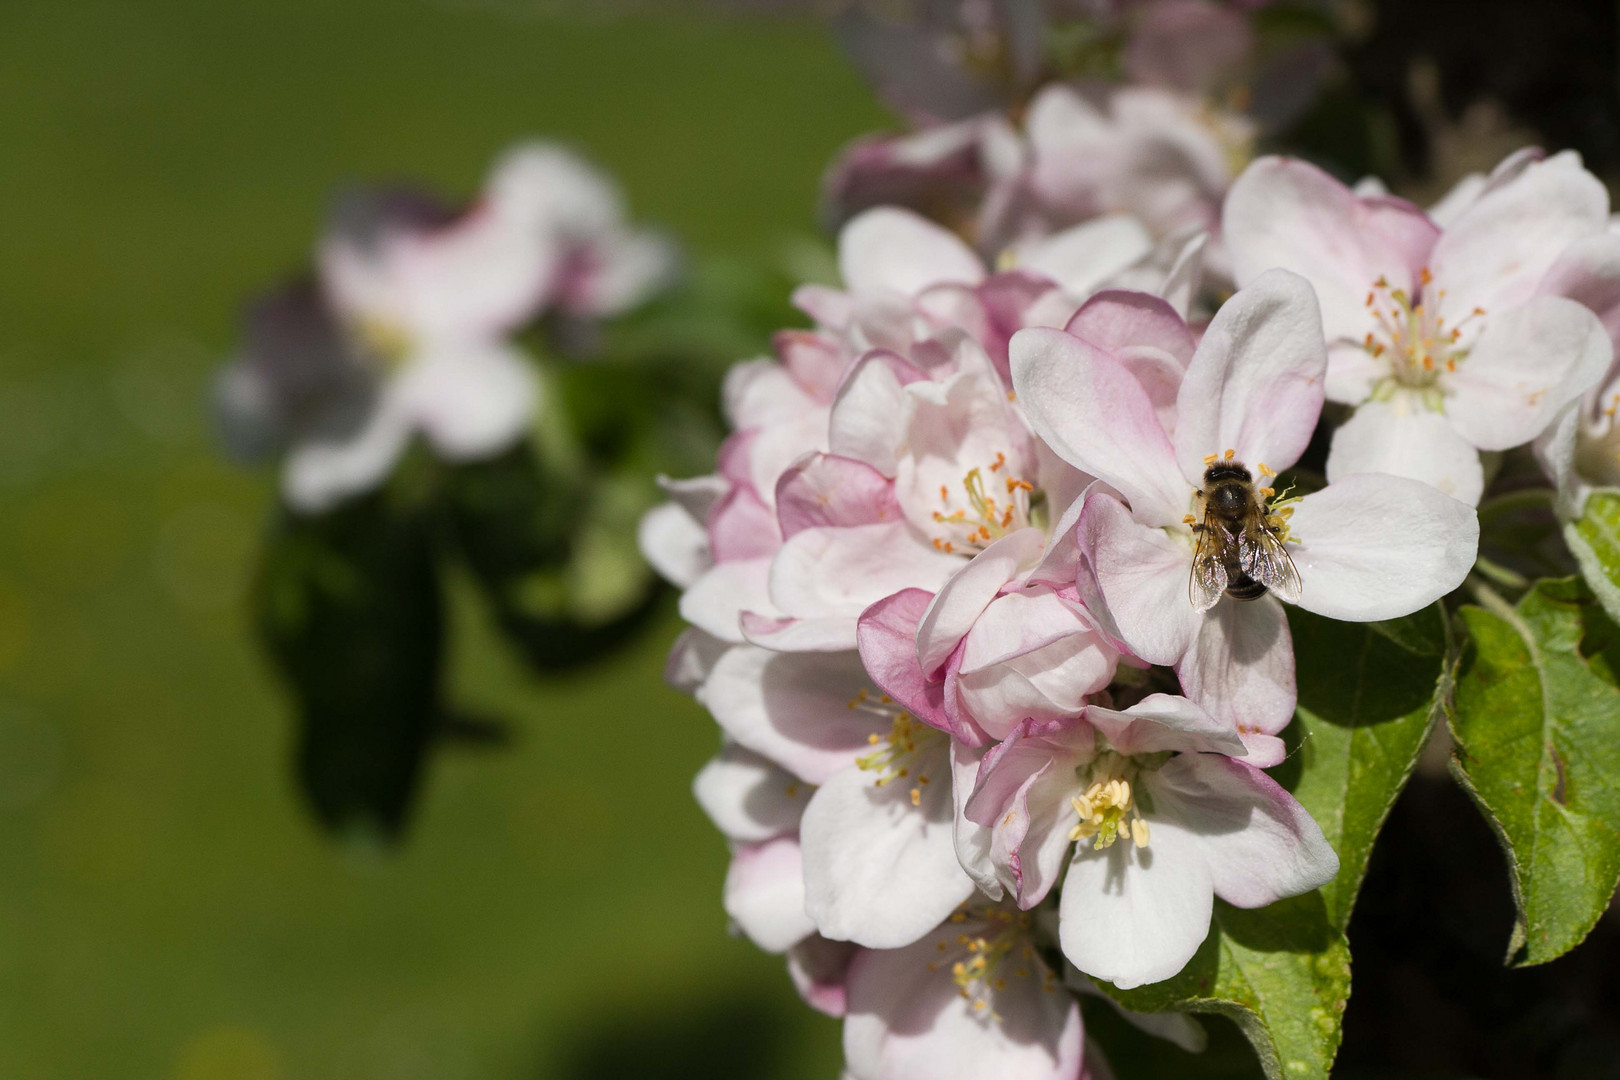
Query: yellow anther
[1209, 459]
[1230, 454]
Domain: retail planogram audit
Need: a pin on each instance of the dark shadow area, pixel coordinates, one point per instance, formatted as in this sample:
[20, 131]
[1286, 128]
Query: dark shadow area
[1431, 994]
[1133, 1054]
[737, 1037]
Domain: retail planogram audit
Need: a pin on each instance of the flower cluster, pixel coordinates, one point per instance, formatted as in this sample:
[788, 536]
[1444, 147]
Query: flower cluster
[987, 592]
[406, 326]
[1001, 152]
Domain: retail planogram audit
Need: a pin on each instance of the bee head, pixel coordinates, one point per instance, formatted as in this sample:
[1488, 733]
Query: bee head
[1226, 472]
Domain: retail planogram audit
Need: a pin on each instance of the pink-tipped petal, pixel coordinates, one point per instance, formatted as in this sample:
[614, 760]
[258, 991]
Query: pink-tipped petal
[1142, 574]
[764, 894]
[1255, 384]
[1088, 408]
[1241, 667]
[1260, 844]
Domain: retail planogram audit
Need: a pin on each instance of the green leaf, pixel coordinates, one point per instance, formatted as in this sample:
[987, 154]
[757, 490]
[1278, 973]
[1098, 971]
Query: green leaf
[1282, 973]
[349, 603]
[1368, 695]
[1537, 731]
[1594, 540]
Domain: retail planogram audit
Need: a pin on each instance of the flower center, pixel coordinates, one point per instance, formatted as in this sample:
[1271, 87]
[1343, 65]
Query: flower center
[983, 946]
[1110, 808]
[1412, 337]
[387, 342]
[971, 523]
[892, 755]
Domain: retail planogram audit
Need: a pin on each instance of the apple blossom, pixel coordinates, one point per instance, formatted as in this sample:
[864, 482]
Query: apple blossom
[1367, 547]
[1449, 341]
[1152, 818]
[410, 317]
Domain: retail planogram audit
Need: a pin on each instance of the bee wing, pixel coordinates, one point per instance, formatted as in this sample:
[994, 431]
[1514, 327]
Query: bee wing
[1207, 581]
[1265, 559]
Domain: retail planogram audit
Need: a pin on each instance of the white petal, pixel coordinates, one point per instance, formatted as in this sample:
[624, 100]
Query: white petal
[793, 708]
[1143, 575]
[870, 415]
[747, 797]
[1241, 666]
[717, 599]
[1261, 845]
[880, 871]
[1496, 252]
[1403, 437]
[1255, 383]
[471, 399]
[675, 543]
[764, 894]
[1372, 547]
[887, 248]
[840, 571]
[319, 475]
[1528, 363]
[1082, 258]
[907, 1022]
[692, 659]
[972, 839]
[1131, 915]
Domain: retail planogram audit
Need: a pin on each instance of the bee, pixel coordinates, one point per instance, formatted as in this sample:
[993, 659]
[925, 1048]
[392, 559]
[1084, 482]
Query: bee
[1239, 551]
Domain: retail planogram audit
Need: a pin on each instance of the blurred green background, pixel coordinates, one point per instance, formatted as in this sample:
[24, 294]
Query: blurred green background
[167, 908]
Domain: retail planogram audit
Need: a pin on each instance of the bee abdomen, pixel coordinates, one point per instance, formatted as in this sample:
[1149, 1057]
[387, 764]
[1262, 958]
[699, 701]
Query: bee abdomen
[1244, 587]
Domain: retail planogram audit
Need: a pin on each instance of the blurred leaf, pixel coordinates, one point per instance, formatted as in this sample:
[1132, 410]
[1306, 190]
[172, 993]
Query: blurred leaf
[1281, 972]
[1537, 728]
[555, 559]
[1594, 540]
[349, 604]
[1368, 696]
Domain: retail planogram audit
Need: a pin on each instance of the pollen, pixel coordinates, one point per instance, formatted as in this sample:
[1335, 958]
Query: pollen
[1229, 455]
[1209, 459]
[1265, 470]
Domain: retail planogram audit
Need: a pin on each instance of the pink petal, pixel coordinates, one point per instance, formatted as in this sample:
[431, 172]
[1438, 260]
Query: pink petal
[825, 489]
[969, 591]
[1283, 212]
[1090, 410]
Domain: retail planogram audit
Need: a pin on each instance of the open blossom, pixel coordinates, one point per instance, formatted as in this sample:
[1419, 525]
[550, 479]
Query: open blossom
[1163, 157]
[1449, 341]
[1152, 818]
[974, 998]
[1368, 546]
[405, 328]
[603, 265]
